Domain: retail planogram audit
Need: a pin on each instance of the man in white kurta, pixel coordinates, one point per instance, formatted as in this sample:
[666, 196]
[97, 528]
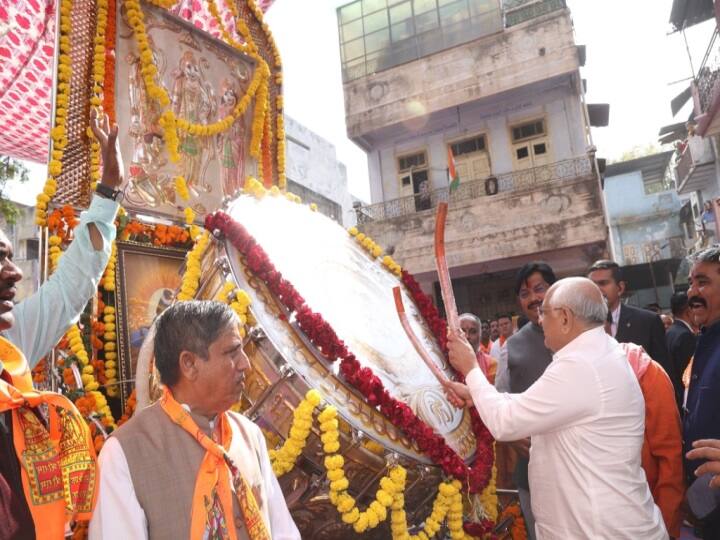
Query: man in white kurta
[586, 419]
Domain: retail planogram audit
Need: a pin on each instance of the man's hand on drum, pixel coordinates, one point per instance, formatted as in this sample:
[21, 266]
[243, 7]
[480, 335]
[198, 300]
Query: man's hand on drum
[462, 355]
[457, 394]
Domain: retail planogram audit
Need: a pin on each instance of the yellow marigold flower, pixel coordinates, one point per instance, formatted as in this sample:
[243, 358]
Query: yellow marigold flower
[189, 215]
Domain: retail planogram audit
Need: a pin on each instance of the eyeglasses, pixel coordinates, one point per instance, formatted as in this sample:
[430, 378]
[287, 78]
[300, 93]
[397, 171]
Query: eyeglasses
[540, 288]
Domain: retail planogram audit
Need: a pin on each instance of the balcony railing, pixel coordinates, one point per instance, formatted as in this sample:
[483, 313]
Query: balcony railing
[708, 77]
[698, 151]
[474, 188]
[519, 11]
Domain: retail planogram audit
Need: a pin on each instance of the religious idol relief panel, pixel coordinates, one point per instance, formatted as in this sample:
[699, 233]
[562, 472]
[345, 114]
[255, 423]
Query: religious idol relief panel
[204, 79]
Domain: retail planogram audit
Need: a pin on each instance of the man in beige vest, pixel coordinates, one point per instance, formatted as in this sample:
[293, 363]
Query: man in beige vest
[187, 467]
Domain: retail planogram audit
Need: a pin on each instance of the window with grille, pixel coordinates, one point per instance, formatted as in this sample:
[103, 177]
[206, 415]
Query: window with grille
[412, 161]
[528, 130]
[468, 146]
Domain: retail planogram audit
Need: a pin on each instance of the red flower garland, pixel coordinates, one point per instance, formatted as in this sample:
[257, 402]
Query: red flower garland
[324, 338]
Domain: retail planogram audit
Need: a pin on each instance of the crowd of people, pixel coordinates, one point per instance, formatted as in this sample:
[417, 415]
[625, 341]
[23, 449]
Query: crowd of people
[615, 420]
[611, 413]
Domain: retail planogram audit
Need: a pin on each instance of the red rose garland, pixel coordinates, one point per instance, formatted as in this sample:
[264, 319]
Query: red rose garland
[324, 338]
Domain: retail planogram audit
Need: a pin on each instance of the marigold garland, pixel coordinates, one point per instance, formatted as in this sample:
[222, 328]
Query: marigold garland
[62, 100]
[98, 81]
[109, 82]
[238, 300]
[110, 351]
[377, 511]
[191, 277]
[517, 529]
[130, 406]
[283, 459]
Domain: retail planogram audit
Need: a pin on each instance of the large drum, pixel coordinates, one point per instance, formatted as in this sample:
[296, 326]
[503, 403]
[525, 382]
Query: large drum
[353, 293]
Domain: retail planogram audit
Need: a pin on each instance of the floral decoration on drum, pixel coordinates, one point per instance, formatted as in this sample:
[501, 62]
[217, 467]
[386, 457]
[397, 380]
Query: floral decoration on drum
[324, 338]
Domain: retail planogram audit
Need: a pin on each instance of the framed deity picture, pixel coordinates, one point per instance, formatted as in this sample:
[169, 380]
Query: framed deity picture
[147, 280]
[204, 80]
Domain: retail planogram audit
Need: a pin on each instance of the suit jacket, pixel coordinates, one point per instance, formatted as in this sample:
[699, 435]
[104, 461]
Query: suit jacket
[702, 417]
[681, 346]
[646, 329]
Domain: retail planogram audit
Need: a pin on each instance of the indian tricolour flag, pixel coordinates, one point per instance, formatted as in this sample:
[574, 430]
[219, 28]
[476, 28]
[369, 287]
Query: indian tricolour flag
[452, 172]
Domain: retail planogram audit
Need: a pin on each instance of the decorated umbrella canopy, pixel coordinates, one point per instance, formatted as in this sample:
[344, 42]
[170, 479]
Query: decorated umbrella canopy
[27, 49]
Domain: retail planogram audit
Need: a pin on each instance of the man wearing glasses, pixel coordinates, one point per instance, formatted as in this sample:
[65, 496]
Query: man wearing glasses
[527, 358]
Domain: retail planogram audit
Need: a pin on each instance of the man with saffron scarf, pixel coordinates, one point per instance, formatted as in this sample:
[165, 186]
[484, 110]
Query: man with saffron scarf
[47, 466]
[187, 467]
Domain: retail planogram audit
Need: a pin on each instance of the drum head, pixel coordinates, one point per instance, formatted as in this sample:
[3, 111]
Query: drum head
[353, 292]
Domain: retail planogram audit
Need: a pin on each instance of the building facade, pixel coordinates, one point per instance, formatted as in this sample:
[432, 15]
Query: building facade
[314, 173]
[24, 236]
[498, 85]
[697, 167]
[647, 236]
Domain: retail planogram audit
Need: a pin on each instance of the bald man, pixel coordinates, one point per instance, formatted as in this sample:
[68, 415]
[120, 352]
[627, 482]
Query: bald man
[586, 417]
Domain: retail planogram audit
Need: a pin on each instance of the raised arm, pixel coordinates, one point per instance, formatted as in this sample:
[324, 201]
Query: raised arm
[42, 319]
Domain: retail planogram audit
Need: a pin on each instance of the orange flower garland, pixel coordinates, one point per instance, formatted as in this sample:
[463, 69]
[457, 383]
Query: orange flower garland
[109, 81]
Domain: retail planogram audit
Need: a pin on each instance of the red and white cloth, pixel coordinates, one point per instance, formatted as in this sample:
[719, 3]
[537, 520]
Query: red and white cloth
[27, 49]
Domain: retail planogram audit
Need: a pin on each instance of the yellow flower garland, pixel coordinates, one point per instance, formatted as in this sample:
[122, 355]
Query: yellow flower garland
[283, 459]
[238, 300]
[181, 188]
[111, 387]
[375, 250]
[280, 125]
[191, 277]
[108, 278]
[377, 510]
[55, 251]
[488, 497]
[98, 78]
[62, 100]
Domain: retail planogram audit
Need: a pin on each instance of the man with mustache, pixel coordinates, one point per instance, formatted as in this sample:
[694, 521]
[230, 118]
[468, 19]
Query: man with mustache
[527, 358]
[631, 324]
[29, 330]
[702, 412]
[494, 330]
[187, 466]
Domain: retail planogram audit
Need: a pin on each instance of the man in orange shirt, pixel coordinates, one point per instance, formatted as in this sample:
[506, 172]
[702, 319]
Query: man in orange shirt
[662, 448]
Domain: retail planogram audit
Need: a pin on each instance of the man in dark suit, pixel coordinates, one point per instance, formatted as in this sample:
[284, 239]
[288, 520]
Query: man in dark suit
[680, 339]
[631, 324]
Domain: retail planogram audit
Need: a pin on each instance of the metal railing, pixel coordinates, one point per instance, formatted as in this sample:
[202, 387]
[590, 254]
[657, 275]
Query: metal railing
[708, 75]
[698, 151]
[471, 189]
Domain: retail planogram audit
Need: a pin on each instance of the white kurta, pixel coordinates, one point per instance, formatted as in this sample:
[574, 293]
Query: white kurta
[119, 516]
[586, 417]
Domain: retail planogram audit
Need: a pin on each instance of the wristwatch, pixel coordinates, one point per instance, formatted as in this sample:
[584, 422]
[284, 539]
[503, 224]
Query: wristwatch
[108, 192]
